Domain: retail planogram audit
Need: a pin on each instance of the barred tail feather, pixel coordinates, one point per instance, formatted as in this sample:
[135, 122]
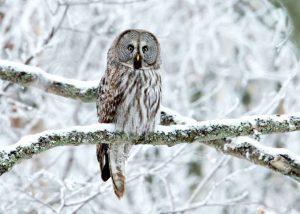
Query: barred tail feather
[103, 159]
[118, 154]
[119, 184]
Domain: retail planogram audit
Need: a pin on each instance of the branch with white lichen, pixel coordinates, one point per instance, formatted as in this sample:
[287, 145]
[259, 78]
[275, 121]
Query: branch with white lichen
[174, 128]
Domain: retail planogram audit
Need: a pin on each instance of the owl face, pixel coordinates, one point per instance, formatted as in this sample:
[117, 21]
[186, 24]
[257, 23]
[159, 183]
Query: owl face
[137, 49]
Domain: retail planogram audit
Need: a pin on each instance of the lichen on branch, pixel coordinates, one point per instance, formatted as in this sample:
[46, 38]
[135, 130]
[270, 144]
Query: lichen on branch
[174, 128]
[206, 131]
[25, 75]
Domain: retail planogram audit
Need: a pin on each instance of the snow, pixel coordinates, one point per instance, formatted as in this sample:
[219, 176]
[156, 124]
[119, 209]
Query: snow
[220, 59]
[266, 149]
[49, 78]
[29, 140]
[179, 119]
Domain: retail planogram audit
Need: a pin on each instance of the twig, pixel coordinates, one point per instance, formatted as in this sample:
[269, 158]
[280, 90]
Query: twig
[49, 37]
[221, 162]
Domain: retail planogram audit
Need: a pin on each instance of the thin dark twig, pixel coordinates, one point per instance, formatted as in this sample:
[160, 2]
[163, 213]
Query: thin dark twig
[50, 35]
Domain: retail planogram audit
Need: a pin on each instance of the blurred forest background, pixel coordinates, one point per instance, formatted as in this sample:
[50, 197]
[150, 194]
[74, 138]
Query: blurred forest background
[221, 59]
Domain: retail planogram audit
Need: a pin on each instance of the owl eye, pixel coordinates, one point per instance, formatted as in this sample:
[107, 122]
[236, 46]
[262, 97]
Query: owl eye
[145, 49]
[130, 48]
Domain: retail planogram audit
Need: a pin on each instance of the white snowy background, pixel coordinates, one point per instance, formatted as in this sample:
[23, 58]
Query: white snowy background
[221, 59]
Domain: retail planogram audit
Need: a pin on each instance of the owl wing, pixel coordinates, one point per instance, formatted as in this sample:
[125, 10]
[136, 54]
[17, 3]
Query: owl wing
[108, 100]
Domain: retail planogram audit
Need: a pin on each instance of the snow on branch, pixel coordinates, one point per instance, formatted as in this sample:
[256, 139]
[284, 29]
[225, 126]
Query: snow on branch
[211, 132]
[174, 128]
[278, 159]
[35, 77]
[85, 91]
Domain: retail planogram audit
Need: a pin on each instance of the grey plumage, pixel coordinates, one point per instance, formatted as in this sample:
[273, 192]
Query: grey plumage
[129, 96]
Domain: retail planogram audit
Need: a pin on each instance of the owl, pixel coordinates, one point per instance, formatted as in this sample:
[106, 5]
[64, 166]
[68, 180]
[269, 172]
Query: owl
[128, 96]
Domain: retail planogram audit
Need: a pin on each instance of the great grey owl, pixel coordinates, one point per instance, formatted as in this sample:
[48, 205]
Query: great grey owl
[129, 96]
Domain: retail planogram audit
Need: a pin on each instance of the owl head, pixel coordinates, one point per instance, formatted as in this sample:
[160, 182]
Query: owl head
[137, 49]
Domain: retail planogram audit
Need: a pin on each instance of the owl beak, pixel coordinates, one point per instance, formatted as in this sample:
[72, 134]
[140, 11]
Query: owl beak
[137, 61]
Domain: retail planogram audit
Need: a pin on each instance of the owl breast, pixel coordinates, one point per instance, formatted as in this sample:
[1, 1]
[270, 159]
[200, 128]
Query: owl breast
[138, 111]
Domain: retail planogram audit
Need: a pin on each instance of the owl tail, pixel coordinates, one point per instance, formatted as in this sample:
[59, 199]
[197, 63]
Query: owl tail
[118, 154]
[103, 159]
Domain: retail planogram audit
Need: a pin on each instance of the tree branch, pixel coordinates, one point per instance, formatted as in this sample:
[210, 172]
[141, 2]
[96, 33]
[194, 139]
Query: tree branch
[174, 128]
[277, 159]
[25, 75]
[84, 91]
[211, 132]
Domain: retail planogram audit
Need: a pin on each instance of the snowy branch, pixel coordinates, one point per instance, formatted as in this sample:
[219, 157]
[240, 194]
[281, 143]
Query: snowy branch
[174, 128]
[35, 77]
[278, 159]
[211, 132]
[84, 91]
